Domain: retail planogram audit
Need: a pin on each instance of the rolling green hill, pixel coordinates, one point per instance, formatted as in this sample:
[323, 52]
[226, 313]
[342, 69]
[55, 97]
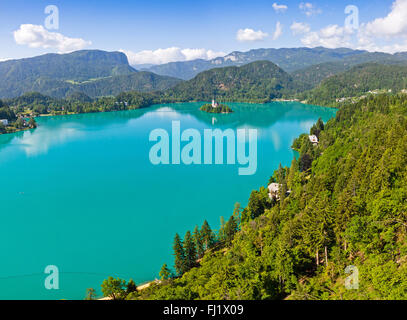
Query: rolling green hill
[312, 76]
[357, 82]
[258, 81]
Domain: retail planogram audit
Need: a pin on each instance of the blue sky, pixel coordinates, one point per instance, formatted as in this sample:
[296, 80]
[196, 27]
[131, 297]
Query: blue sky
[178, 27]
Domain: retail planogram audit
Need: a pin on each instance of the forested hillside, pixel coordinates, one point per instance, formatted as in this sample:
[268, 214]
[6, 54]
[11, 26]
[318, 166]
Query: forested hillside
[259, 81]
[347, 206]
[34, 103]
[358, 82]
[95, 73]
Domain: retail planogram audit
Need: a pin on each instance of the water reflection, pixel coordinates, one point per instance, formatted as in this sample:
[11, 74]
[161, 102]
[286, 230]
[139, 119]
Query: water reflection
[39, 141]
[61, 129]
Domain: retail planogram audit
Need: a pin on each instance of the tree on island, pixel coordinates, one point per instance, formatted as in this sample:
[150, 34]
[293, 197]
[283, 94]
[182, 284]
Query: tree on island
[114, 288]
[219, 109]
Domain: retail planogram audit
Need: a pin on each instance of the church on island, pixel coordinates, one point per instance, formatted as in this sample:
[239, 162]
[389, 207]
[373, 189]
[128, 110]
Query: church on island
[214, 104]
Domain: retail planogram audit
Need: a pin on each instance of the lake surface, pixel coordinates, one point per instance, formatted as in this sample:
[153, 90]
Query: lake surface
[79, 192]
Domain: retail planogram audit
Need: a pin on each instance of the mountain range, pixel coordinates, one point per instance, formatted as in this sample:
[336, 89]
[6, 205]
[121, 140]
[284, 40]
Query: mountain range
[93, 72]
[289, 59]
[256, 75]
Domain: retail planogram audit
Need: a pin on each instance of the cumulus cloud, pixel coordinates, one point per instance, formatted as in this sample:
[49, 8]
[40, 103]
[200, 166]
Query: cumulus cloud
[394, 24]
[173, 54]
[391, 29]
[385, 34]
[36, 36]
[249, 35]
[300, 28]
[332, 36]
[309, 9]
[279, 31]
[279, 7]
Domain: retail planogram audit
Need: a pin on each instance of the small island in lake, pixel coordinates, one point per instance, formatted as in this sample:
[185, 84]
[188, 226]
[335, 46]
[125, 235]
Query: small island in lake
[216, 108]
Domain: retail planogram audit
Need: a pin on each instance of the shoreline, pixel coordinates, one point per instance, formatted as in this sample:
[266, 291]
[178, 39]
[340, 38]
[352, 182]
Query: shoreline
[139, 288]
[77, 113]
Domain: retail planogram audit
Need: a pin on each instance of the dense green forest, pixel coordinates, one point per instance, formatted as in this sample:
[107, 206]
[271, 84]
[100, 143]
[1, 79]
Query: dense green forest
[259, 81]
[34, 103]
[357, 82]
[346, 206]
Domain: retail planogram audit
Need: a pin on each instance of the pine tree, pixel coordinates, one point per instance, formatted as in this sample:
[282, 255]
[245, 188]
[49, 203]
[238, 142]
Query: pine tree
[207, 235]
[190, 251]
[283, 191]
[280, 173]
[236, 213]
[179, 254]
[231, 229]
[305, 162]
[165, 273]
[131, 287]
[221, 233]
[197, 237]
[291, 175]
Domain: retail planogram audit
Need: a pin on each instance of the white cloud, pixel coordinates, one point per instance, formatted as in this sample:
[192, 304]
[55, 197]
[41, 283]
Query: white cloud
[300, 28]
[279, 7]
[332, 36]
[247, 35]
[386, 34]
[309, 9]
[394, 24]
[279, 31]
[173, 54]
[4, 59]
[392, 29]
[36, 36]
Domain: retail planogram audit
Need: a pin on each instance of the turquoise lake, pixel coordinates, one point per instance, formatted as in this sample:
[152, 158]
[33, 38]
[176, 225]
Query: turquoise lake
[79, 192]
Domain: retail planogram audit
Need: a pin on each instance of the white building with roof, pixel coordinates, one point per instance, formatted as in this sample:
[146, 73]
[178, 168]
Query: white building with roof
[314, 140]
[4, 122]
[273, 190]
